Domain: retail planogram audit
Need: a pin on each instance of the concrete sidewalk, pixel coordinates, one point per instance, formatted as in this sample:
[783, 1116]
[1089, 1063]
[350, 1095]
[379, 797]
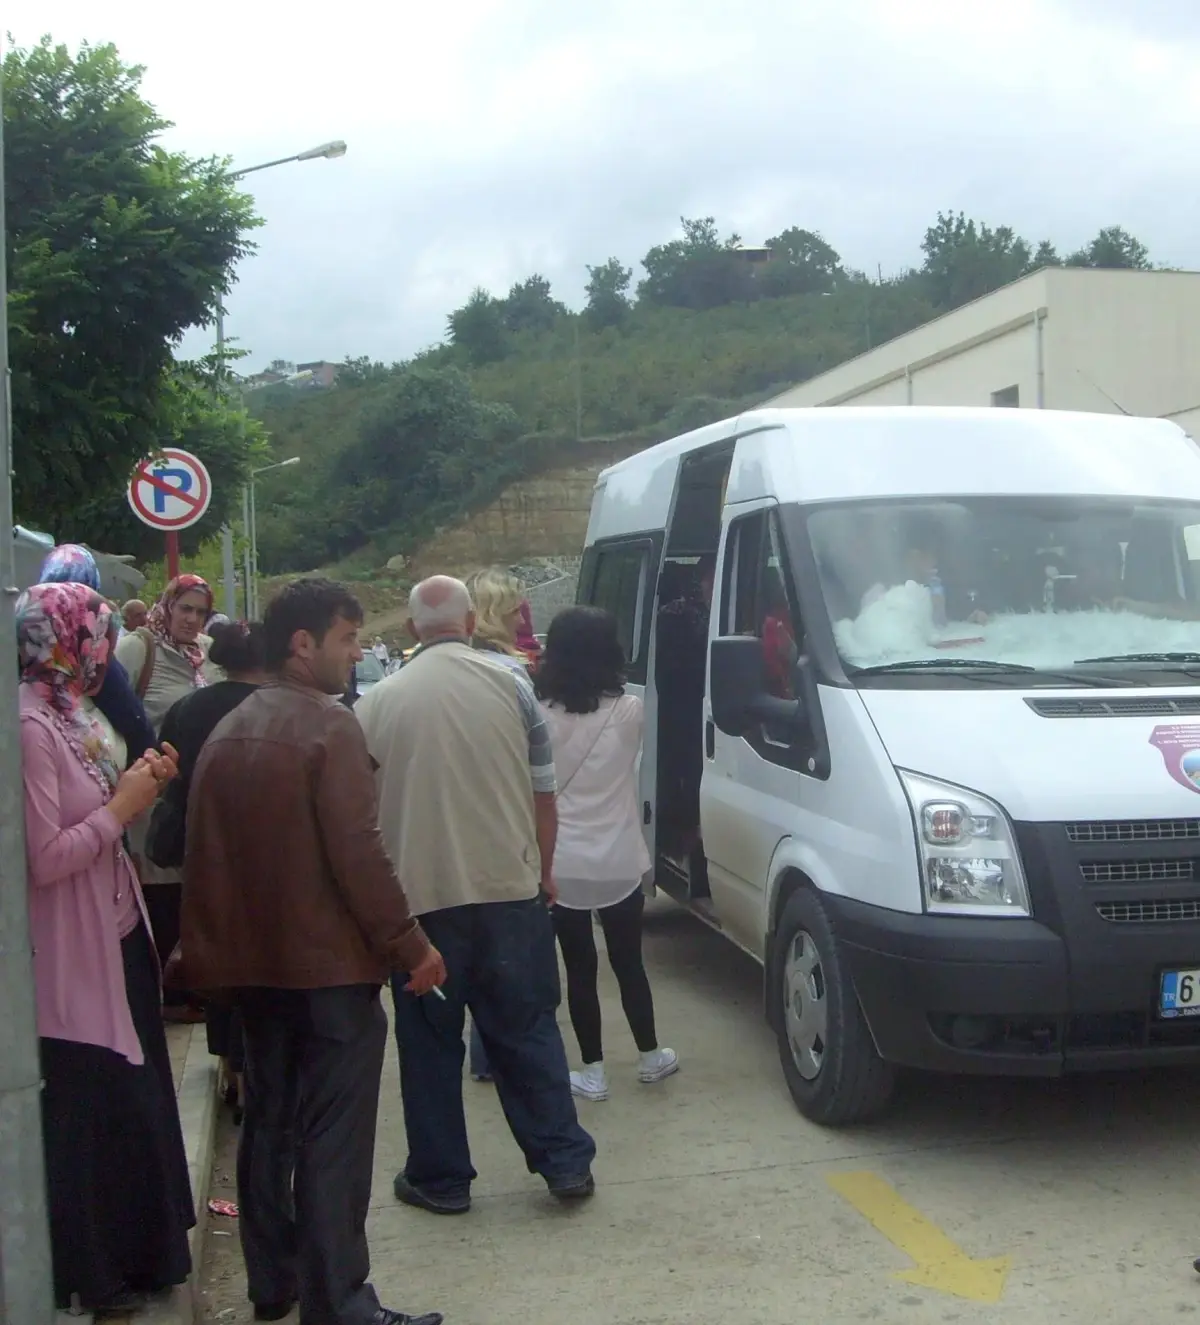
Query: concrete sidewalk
[976, 1201]
[195, 1073]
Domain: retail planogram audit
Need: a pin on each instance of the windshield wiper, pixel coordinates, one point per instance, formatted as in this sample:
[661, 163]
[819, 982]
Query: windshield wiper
[936, 664]
[984, 666]
[1144, 657]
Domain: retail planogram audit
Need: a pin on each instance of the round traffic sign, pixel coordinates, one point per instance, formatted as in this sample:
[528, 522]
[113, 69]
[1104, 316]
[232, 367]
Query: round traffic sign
[170, 490]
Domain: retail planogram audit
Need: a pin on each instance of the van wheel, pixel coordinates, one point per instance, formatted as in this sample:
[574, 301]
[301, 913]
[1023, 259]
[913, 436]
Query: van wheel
[829, 1059]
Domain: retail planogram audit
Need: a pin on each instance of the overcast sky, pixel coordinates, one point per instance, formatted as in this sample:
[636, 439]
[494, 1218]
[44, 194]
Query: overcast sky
[489, 139]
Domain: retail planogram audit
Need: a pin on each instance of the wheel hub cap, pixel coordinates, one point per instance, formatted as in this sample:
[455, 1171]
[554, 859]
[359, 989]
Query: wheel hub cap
[804, 1005]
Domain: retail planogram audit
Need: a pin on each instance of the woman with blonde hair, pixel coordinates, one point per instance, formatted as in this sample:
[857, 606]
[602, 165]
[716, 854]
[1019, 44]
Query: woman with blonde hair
[497, 597]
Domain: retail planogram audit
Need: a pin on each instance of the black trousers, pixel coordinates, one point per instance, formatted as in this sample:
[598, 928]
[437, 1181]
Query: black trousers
[313, 1063]
[622, 926]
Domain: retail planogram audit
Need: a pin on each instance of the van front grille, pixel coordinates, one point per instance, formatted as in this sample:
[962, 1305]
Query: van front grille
[1133, 830]
[1148, 913]
[1163, 706]
[1137, 871]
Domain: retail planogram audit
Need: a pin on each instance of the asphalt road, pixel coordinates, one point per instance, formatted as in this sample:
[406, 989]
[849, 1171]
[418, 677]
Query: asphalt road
[975, 1201]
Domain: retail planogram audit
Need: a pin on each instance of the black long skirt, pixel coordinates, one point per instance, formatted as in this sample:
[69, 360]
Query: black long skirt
[116, 1171]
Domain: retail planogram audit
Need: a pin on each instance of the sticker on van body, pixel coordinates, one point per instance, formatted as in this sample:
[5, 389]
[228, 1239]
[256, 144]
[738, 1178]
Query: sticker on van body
[1179, 745]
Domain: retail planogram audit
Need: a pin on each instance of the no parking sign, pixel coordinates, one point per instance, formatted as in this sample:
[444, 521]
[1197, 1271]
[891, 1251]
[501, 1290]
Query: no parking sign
[170, 491]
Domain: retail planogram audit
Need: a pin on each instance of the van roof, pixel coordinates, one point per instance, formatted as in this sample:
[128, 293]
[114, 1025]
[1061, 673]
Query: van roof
[845, 453]
[837, 419]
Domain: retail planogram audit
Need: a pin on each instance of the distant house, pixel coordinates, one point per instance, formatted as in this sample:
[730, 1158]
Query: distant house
[322, 374]
[270, 378]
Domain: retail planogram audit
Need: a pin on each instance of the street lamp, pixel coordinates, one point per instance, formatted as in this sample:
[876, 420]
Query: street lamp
[329, 152]
[250, 519]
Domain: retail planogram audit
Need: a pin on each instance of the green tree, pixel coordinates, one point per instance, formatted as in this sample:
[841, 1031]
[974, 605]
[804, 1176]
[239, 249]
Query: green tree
[699, 271]
[114, 247]
[1113, 247]
[965, 259]
[419, 449]
[477, 328]
[801, 263]
[608, 294]
[531, 307]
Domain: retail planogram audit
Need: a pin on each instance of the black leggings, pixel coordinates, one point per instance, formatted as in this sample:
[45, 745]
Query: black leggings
[622, 925]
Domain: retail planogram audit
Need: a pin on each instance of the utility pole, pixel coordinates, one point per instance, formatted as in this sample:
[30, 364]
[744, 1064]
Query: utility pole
[26, 1286]
[228, 573]
[578, 386]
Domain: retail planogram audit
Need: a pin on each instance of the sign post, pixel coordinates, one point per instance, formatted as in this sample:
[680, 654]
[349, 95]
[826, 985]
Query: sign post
[170, 491]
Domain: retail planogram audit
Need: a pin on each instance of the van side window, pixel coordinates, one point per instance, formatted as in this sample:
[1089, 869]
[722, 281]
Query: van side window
[756, 599]
[620, 587]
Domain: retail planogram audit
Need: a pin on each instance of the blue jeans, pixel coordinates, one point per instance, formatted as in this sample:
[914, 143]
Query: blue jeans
[502, 964]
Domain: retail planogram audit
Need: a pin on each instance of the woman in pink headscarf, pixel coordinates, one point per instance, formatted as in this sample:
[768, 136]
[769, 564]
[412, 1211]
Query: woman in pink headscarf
[116, 1171]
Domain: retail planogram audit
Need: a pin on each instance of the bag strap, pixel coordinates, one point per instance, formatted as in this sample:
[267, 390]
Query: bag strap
[587, 753]
[143, 681]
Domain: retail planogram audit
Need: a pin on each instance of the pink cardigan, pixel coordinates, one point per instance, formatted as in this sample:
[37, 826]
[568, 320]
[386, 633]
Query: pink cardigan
[76, 864]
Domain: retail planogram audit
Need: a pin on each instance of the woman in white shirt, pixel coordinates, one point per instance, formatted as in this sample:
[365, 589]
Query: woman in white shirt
[601, 856]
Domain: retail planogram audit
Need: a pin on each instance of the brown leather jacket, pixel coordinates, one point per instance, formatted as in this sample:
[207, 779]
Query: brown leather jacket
[287, 883]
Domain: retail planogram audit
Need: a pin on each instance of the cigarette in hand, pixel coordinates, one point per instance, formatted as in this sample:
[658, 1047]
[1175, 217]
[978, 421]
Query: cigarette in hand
[438, 993]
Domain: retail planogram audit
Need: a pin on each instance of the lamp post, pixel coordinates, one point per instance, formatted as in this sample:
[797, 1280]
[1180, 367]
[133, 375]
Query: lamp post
[252, 520]
[326, 151]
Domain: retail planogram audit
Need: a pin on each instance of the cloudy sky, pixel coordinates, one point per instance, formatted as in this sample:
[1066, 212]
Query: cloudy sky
[489, 139]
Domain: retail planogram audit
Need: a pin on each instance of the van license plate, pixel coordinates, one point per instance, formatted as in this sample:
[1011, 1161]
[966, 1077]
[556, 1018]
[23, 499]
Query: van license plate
[1179, 994]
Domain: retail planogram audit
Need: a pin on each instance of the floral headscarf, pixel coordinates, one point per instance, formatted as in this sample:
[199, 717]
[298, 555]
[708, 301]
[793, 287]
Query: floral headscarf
[65, 637]
[70, 564]
[159, 620]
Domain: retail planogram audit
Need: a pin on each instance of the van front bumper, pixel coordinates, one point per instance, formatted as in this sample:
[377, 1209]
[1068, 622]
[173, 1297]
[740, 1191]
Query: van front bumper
[1004, 997]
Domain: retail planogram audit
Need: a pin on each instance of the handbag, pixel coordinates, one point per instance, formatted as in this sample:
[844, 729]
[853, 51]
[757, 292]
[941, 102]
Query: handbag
[165, 836]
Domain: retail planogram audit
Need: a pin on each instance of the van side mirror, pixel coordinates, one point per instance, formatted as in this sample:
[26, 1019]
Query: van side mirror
[738, 688]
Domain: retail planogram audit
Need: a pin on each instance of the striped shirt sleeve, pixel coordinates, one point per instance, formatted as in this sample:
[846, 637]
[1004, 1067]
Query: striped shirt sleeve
[541, 752]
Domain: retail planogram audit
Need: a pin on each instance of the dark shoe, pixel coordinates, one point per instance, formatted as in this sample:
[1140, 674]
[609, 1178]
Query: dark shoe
[436, 1205]
[572, 1189]
[273, 1310]
[120, 1304]
[385, 1317]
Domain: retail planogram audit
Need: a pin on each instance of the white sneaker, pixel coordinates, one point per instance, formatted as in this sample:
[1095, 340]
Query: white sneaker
[657, 1065]
[591, 1083]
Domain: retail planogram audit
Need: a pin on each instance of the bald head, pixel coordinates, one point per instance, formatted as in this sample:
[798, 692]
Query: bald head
[134, 614]
[438, 607]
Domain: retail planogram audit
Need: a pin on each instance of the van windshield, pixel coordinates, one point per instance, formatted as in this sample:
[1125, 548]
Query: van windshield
[1026, 582]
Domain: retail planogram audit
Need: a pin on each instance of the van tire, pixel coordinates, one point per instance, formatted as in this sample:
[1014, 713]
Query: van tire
[843, 1080]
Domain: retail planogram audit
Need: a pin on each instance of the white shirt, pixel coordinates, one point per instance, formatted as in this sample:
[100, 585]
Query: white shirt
[601, 854]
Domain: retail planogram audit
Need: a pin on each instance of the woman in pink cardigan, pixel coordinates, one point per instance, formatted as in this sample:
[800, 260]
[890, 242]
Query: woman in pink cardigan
[116, 1173]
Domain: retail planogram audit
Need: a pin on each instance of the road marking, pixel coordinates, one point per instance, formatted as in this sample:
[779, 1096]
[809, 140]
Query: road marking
[940, 1263]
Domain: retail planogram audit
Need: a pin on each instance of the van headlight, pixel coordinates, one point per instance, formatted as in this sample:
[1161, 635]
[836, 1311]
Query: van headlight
[969, 859]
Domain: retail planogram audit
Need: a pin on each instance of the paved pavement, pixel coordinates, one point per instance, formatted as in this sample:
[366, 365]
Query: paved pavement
[976, 1201]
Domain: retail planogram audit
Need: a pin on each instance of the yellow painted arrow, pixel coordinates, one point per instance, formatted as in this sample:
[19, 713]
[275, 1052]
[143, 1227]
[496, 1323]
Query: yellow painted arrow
[940, 1263]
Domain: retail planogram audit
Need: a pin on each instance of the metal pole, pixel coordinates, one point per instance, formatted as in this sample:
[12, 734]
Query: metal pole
[26, 1284]
[253, 549]
[246, 552]
[227, 567]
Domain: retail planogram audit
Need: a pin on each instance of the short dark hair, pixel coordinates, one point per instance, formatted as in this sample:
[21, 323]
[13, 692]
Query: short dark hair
[583, 660]
[238, 646]
[311, 604]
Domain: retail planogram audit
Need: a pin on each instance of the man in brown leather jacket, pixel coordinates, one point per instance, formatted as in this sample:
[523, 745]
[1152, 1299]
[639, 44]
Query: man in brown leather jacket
[292, 905]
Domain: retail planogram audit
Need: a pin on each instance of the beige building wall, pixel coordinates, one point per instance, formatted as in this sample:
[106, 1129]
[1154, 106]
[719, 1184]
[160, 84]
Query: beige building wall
[999, 321]
[1080, 339]
[1133, 336]
[973, 375]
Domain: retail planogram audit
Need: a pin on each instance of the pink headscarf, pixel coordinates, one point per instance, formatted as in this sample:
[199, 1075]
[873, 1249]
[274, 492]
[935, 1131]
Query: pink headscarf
[65, 636]
[526, 640]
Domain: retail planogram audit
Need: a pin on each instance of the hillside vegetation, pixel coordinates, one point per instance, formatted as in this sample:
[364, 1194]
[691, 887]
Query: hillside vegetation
[392, 453]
